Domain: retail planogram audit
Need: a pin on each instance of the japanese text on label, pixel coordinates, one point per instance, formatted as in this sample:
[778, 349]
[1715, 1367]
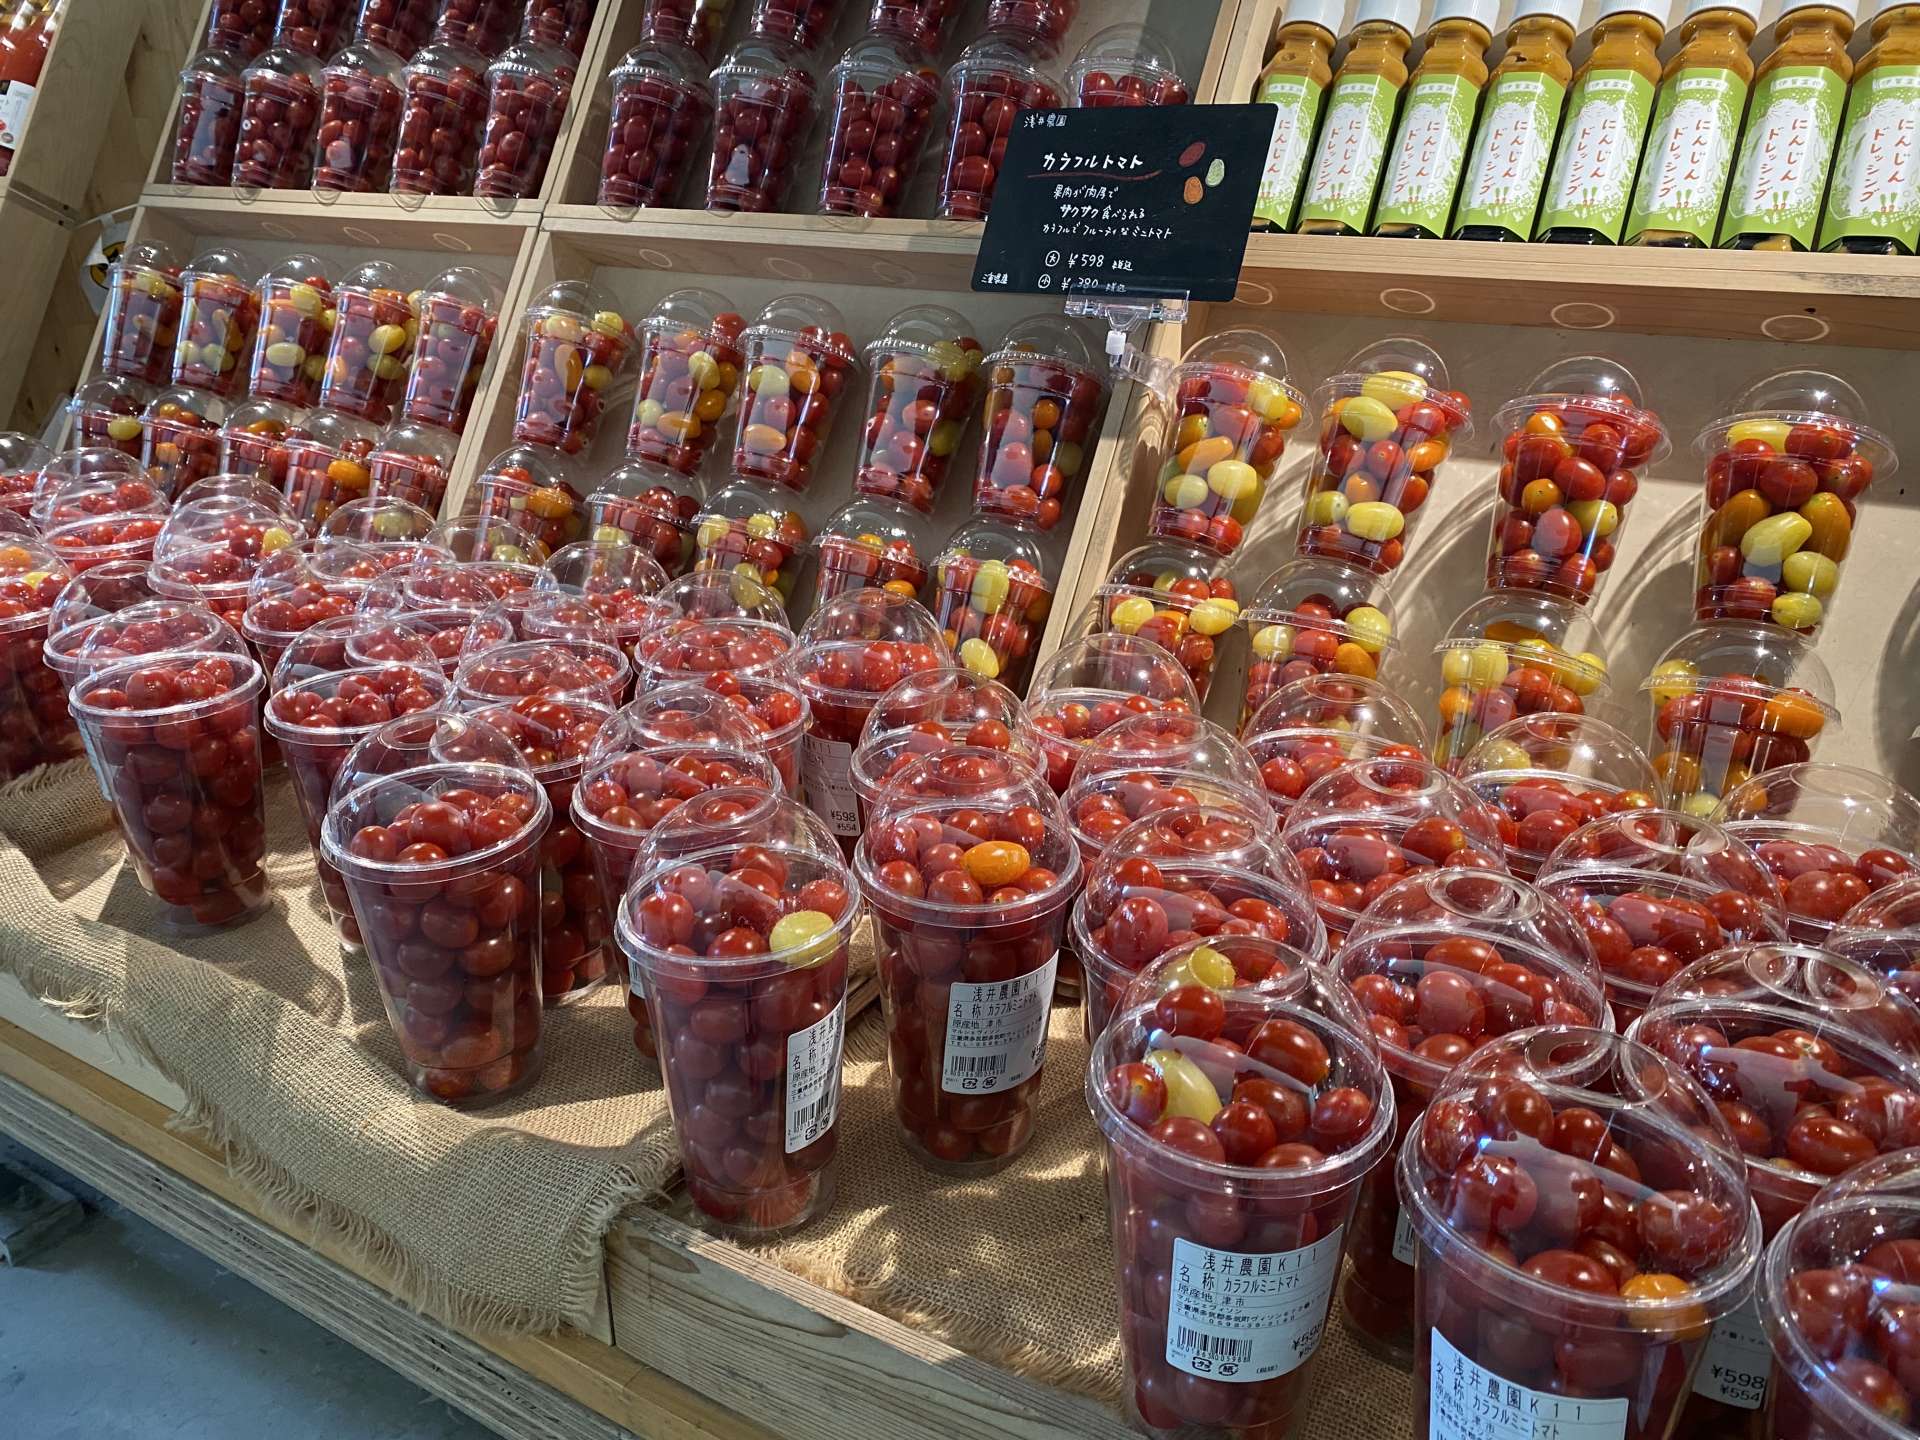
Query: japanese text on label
[997, 1032]
[1245, 1318]
[813, 1079]
[1469, 1402]
[826, 772]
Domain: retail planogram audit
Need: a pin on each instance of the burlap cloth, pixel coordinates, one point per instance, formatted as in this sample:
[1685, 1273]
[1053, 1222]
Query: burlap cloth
[1017, 1268]
[493, 1219]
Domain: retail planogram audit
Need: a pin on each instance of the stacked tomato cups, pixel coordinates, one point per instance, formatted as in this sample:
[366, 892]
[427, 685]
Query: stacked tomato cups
[995, 78]
[442, 866]
[1126, 66]
[991, 593]
[737, 927]
[105, 413]
[528, 87]
[1654, 890]
[661, 105]
[175, 743]
[970, 867]
[1180, 875]
[442, 113]
[1388, 419]
[535, 489]
[797, 360]
[1581, 1220]
[1444, 964]
[851, 652]
[1573, 448]
[709, 625]
[1786, 474]
[1239, 1125]
[1513, 653]
[279, 112]
[218, 315]
[690, 362]
[35, 728]
[1364, 826]
[1547, 775]
[751, 532]
[328, 460]
[456, 314]
[1732, 700]
[1045, 386]
[207, 125]
[1312, 726]
[181, 438]
[143, 314]
[290, 345]
[933, 711]
[884, 96]
[763, 99]
[1090, 685]
[576, 345]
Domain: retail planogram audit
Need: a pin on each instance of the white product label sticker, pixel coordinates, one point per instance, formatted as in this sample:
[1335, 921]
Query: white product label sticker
[813, 1079]
[1246, 1318]
[1469, 1402]
[826, 773]
[1403, 1239]
[1738, 1361]
[15, 100]
[997, 1032]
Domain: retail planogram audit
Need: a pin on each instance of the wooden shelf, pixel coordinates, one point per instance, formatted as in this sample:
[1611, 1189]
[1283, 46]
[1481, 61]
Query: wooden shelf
[301, 219]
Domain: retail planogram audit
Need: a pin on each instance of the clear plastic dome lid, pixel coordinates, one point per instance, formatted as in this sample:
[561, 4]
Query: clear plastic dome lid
[957, 704]
[262, 418]
[538, 615]
[377, 800]
[92, 480]
[1227, 962]
[90, 642]
[684, 712]
[31, 579]
[374, 275]
[555, 734]
[295, 587]
[1578, 753]
[334, 430]
[22, 452]
[1399, 371]
[933, 332]
[520, 668]
[1661, 842]
[238, 525]
[1174, 854]
[1636, 1127]
[299, 268]
[598, 568]
[1495, 908]
[545, 468]
[876, 522]
[1111, 664]
[1306, 582]
[994, 54]
[1152, 761]
[148, 255]
[100, 591]
[694, 311]
[530, 58]
[336, 707]
[417, 439]
[804, 320]
[1125, 49]
[1829, 413]
[1162, 564]
[1254, 356]
[1058, 338]
[721, 821]
[1746, 661]
[384, 520]
[366, 56]
[716, 595]
[662, 59]
[479, 539]
[1363, 712]
[434, 737]
[764, 58]
[464, 284]
[1511, 628]
[580, 300]
[281, 60]
[351, 642]
[250, 488]
[213, 63]
[878, 59]
[652, 488]
[218, 262]
[994, 542]
[182, 404]
[863, 643]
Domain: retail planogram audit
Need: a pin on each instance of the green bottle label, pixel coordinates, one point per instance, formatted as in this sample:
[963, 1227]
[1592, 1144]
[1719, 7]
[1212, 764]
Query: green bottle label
[1510, 153]
[1298, 97]
[1429, 149]
[1592, 181]
[1784, 155]
[1353, 143]
[1875, 192]
[1696, 124]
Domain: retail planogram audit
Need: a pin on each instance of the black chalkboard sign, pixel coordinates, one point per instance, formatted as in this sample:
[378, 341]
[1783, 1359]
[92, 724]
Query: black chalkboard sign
[1137, 201]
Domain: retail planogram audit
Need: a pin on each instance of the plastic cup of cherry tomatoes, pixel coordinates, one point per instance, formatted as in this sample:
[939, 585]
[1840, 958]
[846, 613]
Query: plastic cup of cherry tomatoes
[22, 458]
[175, 743]
[1150, 762]
[371, 346]
[1126, 66]
[207, 126]
[1180, 875]
[1835, 1308]
[518, 669]
[442, 114]
[1312, 726]
[411, 462]
[995, 78]
[1513, 653]
[296, 588]
[884, 96]
[1176, 622]
[1733, 700]
[737, 929]
[359, 125]
[1088, 686]
[936, 710]
[87, 637]
[239, 485]
[456, 314]
[661, 105]
[1787, 472]
[1573, 449]
[763, 99]
[218, 314]
[327, 459]
[402, 26]
[311, 27]
[797, 360]
[924, 24]
[576, 345]
[290, 345]
[690, 361]
[851, 652]
[1830, 835]
[1654, 890]
[210, 550]
[616, 584]
[649, 507]
[711, 624]
[487, 25]
[528, 87]
[549, 613]
[90, 480]
[991, 595]
[1581, 1220]
[279, 112]
[700, 25]
[871, 544]
[1043, 23]
[143, 314]
[1314, 617]
[926, 379]
[35, 728]
[1239, 1126]
[970, 868]
[243, 28]
[805, 23]
[181, 438]
[751, 531]
[1388, 421]
[537, 489]
[76, 610]
[1045, 387]
[565, 23]
[317, 721]
[776, 711]
[1547, 775]
[442, 866]
[1882, 932]
[105, 412]
[391, 535]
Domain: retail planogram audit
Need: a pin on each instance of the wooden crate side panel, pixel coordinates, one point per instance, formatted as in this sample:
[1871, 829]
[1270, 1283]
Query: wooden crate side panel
[35, 246]
[83, 75]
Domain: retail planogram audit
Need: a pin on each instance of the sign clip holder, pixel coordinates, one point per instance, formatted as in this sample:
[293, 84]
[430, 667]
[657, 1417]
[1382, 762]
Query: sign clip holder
[1123, 318]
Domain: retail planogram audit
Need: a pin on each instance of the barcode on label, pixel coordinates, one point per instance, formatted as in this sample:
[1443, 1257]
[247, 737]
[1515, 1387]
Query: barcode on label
[813, 1078]
[1216, 1347]
[979, 1065]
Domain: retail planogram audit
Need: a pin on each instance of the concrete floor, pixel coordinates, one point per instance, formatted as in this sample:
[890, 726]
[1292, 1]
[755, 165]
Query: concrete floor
[120, 1332]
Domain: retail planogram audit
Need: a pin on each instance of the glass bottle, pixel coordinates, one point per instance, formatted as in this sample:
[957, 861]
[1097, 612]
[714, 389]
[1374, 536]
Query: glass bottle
[29, 36]
[1696, 127]
[1360, 113]
[1787, 146]
[1295, 81]
[1873, 203]
[1599, 147]
[1507, 162]
[1430, 144]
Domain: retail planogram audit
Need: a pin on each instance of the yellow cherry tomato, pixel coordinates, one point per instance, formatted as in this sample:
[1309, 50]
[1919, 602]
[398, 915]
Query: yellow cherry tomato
[978, 657]
[1273, 642]
[1366, 418]
[1189, 1091]
[1212, 617]
[1326, 507]
[1772, 540]
[1371, 629]
[1375, 520]
[1396, 389]
[1130, 614]
[802, 938]
[1671, 679]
